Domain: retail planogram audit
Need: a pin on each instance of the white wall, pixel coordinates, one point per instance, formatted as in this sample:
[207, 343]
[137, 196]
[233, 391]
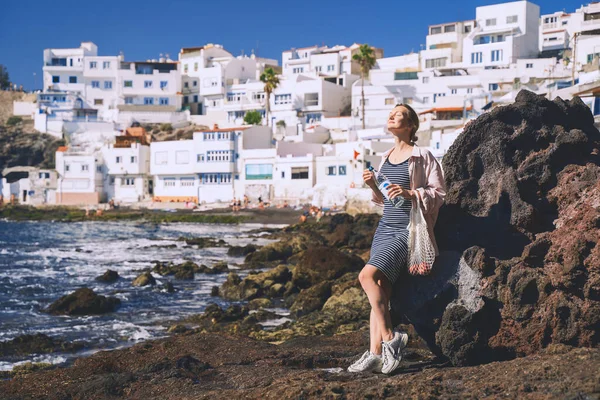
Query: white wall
[24, 108]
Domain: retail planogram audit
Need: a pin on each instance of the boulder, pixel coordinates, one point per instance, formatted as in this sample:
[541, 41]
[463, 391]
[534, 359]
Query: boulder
[144, 279]
[320, 264]
[83, 302]
[311, 299]
[109, 276]
[262, 302]
[518, 269]
[241, 251]
[282, 250]
[36, 344]
[351, 305]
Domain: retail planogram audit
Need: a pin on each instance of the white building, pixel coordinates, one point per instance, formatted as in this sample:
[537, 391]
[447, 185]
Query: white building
[128, 167]
[504, 33]
[81, 178]
[29, 185]
[202, 170]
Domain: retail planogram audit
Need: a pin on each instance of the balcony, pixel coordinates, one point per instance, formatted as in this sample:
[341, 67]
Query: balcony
[146, 108]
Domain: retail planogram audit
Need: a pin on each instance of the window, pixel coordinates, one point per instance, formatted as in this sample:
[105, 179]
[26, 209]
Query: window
[407, 100]
[118, 160]
[318, 68]
[210, 82]
[56, 79]
[476, 58]
[99, 168]
[169, 182]
[195, 98]
[449, 28]
[93, 65]
[219, 155]
[128, 83]
[128, 100]
[163, 84]
[106, 65]
[200, 158]
[67, 167]
[435, 30]
[147, 84]
[467, 28]
[565, 22]
[282, 174]
[72, 79]
[182, 157]
[195, 83]
[493, 86]
[163, 101]
[216, 179]
[469, 90]
[283, 99]
[490, 22]
[298, 70]
[389, 101]
[426, 100]
[133, 159]
[404, 76]
[496, 55]
[511, 19]
[342, 170]
[44, 175]
[453, 91]
[148, 101]
[195, 66]
[299, 172]
[98, 102]
[186, 99]
[311, 99]
[330, 68]
[332, 170]
[96, 84]
[185, 68]
[128, 182]
[425, 79]
[435, 63]
[529, 65]
[187, 181]
[107, 84]
[259, 171]
[185, 85]
[161, 158]
[590, 58]
[313, 117]
[85, 167]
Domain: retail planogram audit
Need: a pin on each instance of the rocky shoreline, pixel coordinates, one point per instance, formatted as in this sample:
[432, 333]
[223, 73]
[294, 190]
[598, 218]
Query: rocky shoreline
[218, 216]
[511, 310]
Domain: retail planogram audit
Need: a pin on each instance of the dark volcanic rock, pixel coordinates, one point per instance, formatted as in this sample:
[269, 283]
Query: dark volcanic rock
[239, 251]
[83, 302]
[321, 264]
[519, 264]
[109, 276]
[36, 344]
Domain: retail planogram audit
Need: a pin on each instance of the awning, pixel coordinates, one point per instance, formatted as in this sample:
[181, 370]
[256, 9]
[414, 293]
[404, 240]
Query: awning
[445, 109]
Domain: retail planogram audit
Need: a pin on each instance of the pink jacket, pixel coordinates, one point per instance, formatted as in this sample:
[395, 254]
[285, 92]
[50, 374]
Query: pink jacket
[427, 178]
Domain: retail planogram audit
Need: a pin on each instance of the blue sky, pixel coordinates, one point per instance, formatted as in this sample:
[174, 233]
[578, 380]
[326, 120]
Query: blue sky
[143, 29]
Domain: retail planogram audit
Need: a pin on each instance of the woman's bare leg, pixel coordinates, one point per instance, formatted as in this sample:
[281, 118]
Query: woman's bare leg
[378, 289]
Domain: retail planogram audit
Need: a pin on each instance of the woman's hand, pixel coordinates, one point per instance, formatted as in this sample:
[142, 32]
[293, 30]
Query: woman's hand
[369, 178]
[397, 190]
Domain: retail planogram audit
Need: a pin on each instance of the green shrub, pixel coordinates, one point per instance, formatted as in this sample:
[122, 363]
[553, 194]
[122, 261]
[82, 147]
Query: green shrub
[166, 127]
[12, 121]
[253, 118]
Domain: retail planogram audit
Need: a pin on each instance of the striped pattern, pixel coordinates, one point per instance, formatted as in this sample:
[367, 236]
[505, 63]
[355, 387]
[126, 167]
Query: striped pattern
[389, 250]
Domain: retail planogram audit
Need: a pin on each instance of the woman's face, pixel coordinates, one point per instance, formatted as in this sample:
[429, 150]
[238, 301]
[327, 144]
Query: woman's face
[398, 121]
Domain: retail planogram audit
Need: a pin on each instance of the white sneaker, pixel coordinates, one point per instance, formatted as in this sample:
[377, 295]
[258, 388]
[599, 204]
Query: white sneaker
[367, 362]
[392, 351]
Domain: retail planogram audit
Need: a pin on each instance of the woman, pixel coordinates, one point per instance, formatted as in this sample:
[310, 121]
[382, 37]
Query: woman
[414, 172]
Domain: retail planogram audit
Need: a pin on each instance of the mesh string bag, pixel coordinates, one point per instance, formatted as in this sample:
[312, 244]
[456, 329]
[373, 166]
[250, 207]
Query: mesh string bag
[421, 253]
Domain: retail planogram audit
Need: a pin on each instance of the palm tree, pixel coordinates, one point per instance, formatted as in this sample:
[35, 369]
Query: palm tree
[271, 81]
[366, 59]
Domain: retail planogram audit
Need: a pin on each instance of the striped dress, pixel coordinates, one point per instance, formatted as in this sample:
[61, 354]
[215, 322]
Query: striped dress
[389, 250]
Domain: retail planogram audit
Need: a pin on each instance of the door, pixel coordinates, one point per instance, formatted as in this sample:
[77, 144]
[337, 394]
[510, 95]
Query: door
[24, 196]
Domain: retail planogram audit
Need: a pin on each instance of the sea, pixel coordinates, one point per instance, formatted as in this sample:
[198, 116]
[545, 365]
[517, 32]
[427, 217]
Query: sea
[42, 261]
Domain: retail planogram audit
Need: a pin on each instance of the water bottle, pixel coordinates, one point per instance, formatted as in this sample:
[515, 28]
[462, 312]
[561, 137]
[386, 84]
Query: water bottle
[383, 184]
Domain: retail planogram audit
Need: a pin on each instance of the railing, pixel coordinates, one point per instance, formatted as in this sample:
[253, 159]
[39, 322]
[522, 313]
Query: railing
[550, 25]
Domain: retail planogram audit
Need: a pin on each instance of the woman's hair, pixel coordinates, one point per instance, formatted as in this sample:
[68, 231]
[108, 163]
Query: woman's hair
[414, 120]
